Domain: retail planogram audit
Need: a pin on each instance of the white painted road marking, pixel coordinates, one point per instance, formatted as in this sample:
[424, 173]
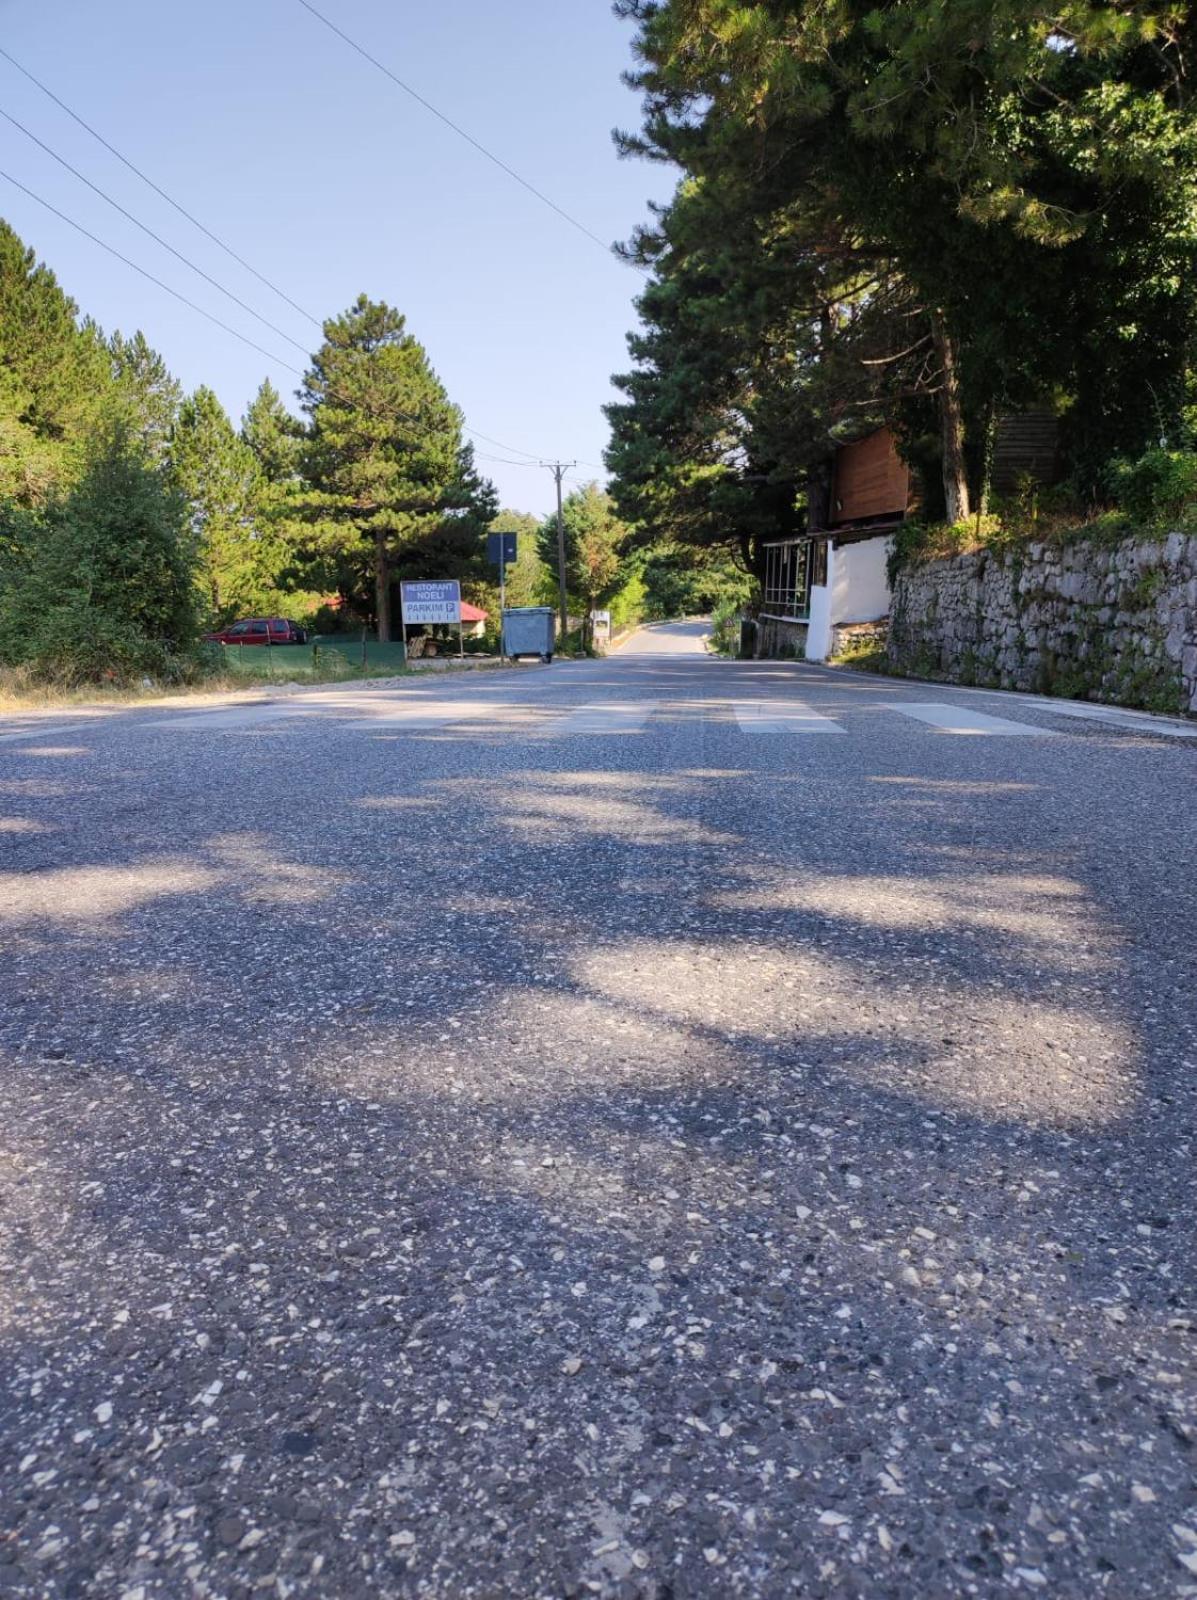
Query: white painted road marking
[782, 716]
[962, 719]
[43, 733]
[356, 709]
[619, 717]
[223, 721]
[1116, 717]
[415, 713]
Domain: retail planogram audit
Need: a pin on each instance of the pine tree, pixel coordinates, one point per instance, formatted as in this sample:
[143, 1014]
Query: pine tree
[290, 566]
[274, 436]
[721, 423]
[146, 393]
[53, 378]
[1016, 186]
[384, 457]
[216, 473]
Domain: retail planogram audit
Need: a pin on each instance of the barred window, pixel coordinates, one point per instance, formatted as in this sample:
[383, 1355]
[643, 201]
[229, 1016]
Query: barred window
[787, 580]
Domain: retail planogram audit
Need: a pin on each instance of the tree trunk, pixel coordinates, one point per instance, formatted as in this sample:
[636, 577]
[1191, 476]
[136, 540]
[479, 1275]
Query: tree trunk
[951, 414]
[752, 554]
[382, 583]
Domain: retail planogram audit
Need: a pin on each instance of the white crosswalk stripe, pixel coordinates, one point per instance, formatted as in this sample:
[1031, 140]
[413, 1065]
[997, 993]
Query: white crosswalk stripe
[42, 733]
[964, 720]
[229, 720]
[627, 717]
[358, 710]
[782, 716]
[389, 714]
[1117, 717]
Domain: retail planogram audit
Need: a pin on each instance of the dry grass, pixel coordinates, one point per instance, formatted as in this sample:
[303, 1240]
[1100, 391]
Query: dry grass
[18, 692]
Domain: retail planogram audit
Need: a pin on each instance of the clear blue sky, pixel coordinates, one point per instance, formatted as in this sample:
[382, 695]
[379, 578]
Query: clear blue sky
[331, 181]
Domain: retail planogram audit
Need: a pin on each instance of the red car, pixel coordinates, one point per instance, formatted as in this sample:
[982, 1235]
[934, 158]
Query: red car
[260, 630]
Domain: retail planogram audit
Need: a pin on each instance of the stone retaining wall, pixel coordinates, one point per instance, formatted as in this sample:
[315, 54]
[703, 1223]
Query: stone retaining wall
[859, 636]
[1088, 620]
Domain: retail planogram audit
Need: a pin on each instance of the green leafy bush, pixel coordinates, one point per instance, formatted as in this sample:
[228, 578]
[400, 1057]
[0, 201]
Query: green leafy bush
[1160, 487]
[725, 627]
[627, 604]
[916, 541]
[104, 591]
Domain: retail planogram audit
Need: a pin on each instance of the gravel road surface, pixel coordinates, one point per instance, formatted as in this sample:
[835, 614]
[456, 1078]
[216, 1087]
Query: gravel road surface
[655, 1128]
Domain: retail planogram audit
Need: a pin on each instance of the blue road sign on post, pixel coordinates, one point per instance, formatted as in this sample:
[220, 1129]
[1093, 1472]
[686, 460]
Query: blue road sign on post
[501, 549]
[500, 552]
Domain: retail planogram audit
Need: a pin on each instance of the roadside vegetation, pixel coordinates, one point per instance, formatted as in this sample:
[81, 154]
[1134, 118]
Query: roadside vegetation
[22, 690]
[134, 518]
[1157, 494]
[964, 215]
[958, 222]
[724, 637]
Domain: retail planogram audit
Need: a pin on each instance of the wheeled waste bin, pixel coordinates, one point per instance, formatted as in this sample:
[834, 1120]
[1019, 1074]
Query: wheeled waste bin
[529, 631]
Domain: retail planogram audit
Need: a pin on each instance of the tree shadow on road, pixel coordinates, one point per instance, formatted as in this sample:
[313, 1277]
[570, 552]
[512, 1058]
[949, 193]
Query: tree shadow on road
[504, 1173]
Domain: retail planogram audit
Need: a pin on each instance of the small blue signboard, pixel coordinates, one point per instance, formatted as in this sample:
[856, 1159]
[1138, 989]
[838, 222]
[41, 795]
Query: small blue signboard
[500, 549]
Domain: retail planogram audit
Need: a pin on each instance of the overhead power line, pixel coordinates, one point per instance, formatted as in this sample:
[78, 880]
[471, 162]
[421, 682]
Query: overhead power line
[192, 305]
[174, 293]
[170, 200]
[533, 459]
[458, 129]
[156, 237]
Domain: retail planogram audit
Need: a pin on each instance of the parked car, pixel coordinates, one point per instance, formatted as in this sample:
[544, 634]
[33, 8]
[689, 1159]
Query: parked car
[260, 630]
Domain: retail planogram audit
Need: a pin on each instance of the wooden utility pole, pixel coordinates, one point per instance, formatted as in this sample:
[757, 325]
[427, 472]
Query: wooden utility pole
[559, 469]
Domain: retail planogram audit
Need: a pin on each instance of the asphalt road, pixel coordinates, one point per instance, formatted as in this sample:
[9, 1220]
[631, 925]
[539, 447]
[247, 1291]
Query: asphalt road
[658, 1127]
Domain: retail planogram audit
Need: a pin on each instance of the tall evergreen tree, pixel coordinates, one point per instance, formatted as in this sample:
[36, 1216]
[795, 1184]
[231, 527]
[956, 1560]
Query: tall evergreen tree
[53, 377]
[146, 393]
[1018, 184]
[384, 457]
[276, 440]
[216, 473]
[718, 429]
[274, 436]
